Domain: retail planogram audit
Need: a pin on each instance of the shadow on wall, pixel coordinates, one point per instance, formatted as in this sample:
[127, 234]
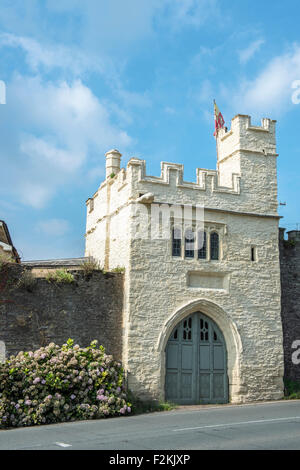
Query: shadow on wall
[37, 313]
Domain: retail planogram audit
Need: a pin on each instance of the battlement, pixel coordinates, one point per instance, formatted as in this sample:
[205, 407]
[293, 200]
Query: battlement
[172, 175]
[243, 136]
[246, 167]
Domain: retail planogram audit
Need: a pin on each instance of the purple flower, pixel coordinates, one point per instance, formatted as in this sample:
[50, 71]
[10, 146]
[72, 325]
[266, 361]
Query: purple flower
[128, 409]
[36, 381]
[28, 402]
[17, 406]
[102, 397]
[43, 382]
[73, 397]
[122, 411]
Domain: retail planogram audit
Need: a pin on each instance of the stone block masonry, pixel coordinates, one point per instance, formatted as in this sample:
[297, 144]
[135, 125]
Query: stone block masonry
[290, 301]
[87, 309]
[239, 290]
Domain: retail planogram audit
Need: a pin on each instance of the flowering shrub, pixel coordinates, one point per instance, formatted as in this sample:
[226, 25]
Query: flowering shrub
[56, 384]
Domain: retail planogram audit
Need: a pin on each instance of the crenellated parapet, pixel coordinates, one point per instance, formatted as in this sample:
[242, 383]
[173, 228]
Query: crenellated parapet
[245, 137]
[245, 179]
[172, 175]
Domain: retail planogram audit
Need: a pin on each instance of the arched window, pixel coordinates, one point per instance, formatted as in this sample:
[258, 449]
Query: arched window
[214, 246]
[189, 243]
[201, 245]
[176, 241]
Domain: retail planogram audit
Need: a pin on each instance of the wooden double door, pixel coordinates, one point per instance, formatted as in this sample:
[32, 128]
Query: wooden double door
[196, 362]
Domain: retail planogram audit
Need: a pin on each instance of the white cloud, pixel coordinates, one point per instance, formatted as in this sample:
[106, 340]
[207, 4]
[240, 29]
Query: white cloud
[75, 63]
[102, 27]
[50, 56]
[64, 160]
[51, 128]
[32, 193]
[50, 131]
[271, 91]
[53, 227]
[246, 54]
[105, 24]
[191, 13]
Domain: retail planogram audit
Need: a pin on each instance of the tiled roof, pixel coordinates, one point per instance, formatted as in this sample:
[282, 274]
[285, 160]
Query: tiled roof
[56, 262]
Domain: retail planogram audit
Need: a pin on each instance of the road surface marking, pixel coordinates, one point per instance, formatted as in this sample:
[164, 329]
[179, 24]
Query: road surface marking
[236, 424]
[62, 444]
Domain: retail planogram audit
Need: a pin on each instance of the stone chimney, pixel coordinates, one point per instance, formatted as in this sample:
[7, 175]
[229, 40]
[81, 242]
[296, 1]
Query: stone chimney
[113, 161]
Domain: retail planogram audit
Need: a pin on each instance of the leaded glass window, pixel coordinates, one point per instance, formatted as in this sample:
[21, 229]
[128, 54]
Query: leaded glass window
[201, 245]
[176, 241]
[189, 243]
[214, 246]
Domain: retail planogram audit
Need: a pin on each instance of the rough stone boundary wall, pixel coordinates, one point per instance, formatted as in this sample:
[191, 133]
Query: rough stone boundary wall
[290, 300]
[90, 308]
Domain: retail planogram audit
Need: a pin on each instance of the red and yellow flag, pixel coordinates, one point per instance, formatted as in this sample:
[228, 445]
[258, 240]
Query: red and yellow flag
[219, 120]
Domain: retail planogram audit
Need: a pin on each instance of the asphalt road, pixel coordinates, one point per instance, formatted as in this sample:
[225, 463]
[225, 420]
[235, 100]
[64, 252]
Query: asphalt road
[267, 426]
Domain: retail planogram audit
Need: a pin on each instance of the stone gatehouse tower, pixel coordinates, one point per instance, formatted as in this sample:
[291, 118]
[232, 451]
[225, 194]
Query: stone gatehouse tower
[201, 320]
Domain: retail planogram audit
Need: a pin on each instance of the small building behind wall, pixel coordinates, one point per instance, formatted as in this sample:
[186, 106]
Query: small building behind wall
[6, 244]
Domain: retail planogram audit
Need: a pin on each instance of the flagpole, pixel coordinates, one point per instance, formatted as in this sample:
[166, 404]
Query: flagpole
[216, 138]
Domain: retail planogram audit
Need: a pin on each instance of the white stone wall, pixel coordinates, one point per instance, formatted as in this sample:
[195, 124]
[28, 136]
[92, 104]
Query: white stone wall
[107, 238]
[251, 305]
[241, 200]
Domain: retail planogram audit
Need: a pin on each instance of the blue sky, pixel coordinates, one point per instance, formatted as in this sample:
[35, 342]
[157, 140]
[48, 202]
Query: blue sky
[137, 75]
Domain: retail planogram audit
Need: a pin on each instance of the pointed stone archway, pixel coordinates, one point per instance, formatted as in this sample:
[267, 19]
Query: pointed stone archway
[232, 348]
[196, 362]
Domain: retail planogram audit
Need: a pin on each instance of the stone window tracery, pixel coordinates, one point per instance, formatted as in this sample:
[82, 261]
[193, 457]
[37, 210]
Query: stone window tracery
[189, 243]
[214, 246]
[201, 244]
[176, 241]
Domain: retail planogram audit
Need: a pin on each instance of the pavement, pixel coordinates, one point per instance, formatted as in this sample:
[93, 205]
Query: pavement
[259, 426]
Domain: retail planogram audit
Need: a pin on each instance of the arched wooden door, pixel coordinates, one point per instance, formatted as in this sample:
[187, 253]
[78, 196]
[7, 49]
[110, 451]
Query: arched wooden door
[196, 362]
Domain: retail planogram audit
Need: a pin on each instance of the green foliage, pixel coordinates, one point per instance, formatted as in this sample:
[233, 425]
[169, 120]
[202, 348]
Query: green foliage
[6, 259]
[112, 175]
[57, 384]
[89, 266]
[60, 276]
[27, 280]
[291, 390]
[118, 269]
